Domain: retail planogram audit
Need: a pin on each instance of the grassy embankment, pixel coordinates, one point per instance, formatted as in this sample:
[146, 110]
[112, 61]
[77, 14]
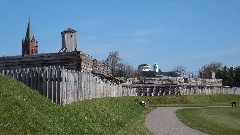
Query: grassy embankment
[24, 111]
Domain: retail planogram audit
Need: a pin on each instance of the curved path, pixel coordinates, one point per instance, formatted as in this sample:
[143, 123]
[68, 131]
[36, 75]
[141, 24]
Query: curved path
[163, 121]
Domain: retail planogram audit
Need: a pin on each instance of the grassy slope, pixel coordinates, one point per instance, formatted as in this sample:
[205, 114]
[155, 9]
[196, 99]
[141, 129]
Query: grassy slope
[216, 121]
[24, 111]
[109, 116]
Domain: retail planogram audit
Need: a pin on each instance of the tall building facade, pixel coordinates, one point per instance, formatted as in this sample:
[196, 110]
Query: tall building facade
[29, 43]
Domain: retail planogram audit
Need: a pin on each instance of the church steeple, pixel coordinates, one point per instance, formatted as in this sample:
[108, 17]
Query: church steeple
[29, 33]
[29, 44]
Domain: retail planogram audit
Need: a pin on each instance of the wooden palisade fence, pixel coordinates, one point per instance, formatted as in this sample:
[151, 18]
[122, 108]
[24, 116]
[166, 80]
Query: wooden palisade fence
[66, 86]
[189, 90]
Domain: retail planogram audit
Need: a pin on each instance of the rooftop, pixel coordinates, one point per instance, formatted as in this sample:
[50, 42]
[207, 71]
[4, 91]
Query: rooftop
[69, 30]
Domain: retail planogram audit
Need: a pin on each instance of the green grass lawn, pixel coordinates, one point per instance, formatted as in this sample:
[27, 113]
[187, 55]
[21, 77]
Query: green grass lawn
[24, 111]
[191, 100]
[216, 121]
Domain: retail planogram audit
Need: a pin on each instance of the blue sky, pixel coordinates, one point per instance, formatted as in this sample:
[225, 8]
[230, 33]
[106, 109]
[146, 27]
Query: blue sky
[172, 33]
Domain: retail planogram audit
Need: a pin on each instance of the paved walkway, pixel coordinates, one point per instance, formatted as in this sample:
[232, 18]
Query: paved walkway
[163, 121]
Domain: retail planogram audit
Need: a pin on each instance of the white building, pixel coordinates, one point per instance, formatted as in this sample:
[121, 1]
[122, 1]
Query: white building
[144, 67]
[155, 67]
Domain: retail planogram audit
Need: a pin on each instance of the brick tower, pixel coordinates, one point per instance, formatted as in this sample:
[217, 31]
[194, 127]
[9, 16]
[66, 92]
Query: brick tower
[29, 44]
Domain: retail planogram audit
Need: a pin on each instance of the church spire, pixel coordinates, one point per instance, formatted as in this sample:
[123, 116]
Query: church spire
[29, 33]
[29, 45]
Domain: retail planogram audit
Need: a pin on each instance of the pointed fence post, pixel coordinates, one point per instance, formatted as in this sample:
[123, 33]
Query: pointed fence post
[58, 89]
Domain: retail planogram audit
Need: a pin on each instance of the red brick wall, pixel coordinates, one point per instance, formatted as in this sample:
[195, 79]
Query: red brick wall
[29, 47]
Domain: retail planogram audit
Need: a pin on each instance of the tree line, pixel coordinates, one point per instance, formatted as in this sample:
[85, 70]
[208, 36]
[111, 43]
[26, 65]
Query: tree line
[230, 75]
[118, 66]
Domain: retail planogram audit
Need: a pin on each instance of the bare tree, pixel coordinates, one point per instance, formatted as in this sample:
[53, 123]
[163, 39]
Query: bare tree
[192, 74]
[130, 70]
[178, 71]
[118, 67]
[206, 70]
[113, 60]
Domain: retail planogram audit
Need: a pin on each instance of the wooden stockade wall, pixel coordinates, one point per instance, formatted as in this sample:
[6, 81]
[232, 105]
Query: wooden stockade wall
[66, 86]
[209, 90]
[185, 90]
